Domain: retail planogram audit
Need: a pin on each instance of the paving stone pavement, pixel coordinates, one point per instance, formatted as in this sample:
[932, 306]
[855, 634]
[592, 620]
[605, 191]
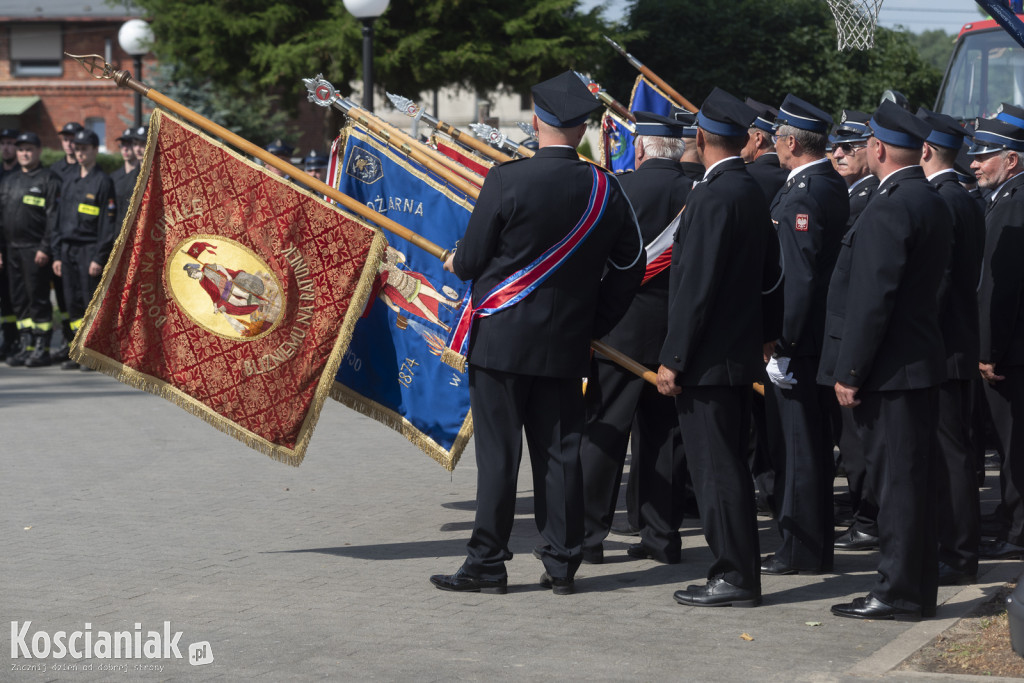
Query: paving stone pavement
[119, 508]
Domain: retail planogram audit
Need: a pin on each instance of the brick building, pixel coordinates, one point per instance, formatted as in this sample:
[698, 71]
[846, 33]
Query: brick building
[41, 89]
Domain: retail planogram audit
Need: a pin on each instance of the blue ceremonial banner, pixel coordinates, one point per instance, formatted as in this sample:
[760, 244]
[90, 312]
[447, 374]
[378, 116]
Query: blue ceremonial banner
[392, 371]
[617, 135]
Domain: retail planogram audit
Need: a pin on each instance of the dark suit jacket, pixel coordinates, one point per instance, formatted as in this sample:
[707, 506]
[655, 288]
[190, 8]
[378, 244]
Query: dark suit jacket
[769, 175]
[860, 196]
[958, 295]
[725, 256]
[882, 323]
[692, 170]
[1001, 293]
[524, 208]
[810, 213]
[657, 190]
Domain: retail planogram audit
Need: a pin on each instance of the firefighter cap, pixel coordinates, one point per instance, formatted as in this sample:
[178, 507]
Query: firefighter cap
[649, 123]
[28, 138]
[993, 135]
[724, 114]
[765, 115]
[87, 137]
[946, 132]
[801, 114]
[894, 125]
[563, 101]
[71, 128]
[853, 127]
[315, 159]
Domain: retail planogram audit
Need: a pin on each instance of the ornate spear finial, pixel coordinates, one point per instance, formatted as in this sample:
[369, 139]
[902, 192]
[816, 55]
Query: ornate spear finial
[404, 105]
[489, 133]
[320, 91]
[100, 69]
[527, 128]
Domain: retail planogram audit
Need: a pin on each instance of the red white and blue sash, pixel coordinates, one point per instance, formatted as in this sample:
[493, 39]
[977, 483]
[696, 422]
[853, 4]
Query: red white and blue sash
[521, 283]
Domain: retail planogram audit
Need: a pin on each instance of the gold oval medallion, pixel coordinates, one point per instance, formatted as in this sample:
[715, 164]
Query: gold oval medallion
[224, 287]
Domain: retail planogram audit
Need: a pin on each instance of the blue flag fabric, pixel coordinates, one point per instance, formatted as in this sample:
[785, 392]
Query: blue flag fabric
[617, 135]
[392, 371]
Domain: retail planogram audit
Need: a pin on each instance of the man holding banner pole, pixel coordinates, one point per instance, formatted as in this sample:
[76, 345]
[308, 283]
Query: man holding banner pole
[543, 233]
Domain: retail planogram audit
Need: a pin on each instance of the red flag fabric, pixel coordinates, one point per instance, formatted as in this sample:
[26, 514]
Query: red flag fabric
[230, 292]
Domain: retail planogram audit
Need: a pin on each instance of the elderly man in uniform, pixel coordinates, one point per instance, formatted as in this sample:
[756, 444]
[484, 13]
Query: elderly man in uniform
[998, 158]
[616, 399]
[85, 231]
[555, 256]
[850, 159]
[759, 152]
[883, 356]
[809, 213]
[724, 259]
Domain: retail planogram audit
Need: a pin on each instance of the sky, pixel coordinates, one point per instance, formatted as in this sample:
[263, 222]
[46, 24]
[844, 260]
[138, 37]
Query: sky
[915, 15]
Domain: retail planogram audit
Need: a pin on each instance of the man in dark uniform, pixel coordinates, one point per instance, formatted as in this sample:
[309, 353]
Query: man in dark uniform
[759, 152]
[315, 164]
[67, 168]
[28, 213]
[883, 355]
[957, 505]
[538, 224]
[809, 213]
[124, 178]
[850, 159]
[615, 397]
[998, 158]
[85, 231]
[724, 257]
[12, 344]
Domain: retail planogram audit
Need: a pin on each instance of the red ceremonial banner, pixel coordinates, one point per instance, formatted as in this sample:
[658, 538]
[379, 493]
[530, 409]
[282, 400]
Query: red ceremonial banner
[230, 292]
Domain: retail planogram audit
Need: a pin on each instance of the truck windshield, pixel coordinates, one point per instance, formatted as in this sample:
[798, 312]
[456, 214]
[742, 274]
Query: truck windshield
[986, 70]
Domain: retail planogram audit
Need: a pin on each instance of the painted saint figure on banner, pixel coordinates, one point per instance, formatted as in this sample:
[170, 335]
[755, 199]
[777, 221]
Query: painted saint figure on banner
[406, 291]
[246, 298]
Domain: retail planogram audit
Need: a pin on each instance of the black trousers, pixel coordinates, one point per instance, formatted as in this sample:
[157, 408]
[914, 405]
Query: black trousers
[714, 422]
[618, 403]
[78, 284]
[798, 419]
[958, 509]
[550, 409]
[30, 285]
[897, 429]
[1006, 402]
[7, 311]
[862, 499]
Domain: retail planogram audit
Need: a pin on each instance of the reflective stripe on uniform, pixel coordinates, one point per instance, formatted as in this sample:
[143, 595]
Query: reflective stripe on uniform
[32, 200]
[89, 209]
[75, 324]
[24, 323]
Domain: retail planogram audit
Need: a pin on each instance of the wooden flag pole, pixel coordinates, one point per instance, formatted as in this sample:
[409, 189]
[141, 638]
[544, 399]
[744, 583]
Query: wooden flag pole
[413, 110]
[95, 65]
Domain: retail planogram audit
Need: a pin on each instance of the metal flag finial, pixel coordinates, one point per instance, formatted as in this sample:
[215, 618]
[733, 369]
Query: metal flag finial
[404, 105]
[321, 91]
[527, 128]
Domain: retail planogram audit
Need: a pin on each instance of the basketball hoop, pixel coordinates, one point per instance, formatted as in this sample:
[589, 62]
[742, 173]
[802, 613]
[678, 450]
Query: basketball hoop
[855, 22]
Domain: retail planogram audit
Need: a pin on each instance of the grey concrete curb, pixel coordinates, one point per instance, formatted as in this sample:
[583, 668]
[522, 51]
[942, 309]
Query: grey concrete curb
[887, 658]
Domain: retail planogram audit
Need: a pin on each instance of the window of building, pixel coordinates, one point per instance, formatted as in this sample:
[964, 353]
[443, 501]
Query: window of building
[99, 126]
[36, 50]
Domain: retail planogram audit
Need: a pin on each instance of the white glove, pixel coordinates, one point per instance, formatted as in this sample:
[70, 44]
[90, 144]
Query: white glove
[778, 372]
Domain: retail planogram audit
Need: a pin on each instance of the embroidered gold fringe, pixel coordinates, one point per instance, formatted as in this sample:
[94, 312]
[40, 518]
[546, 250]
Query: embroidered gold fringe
[453, 359]
[389, 418]
[150, 384]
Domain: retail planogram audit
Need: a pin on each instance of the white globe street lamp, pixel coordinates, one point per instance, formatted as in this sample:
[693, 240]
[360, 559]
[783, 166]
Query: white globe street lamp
[135, 36]
[367, 11]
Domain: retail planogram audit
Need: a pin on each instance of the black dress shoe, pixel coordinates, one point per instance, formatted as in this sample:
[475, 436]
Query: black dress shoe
[871, 607]
[640, 552]
[462, 582]
[948, 576]
[1000, 550]
[773, 566]
[625, 530]
[851, 539]
[558, 586]
[718, 593]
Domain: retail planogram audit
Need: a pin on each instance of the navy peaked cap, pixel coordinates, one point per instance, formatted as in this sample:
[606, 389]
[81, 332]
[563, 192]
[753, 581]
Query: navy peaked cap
[87, 137]
[649, 123]
[993, 135]
[563, 101]
[315, 159]
[71, 128]
[724, 114]
[140, 133]
[765, 115]
[946, 131]
[803, 115]
[28, 138]
[689, 121]
[9, 133]
[894, 125]
[853, 127]
[1011, 114]
[128, 134]
[279, 148]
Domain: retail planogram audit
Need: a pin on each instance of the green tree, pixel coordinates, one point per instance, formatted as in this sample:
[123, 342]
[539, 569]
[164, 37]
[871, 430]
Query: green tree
[935, 47]
[764, 50]
[419, 45]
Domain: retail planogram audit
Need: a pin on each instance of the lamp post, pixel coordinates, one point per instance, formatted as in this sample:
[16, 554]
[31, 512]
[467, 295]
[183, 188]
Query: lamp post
[367, 11]
[135, 37]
